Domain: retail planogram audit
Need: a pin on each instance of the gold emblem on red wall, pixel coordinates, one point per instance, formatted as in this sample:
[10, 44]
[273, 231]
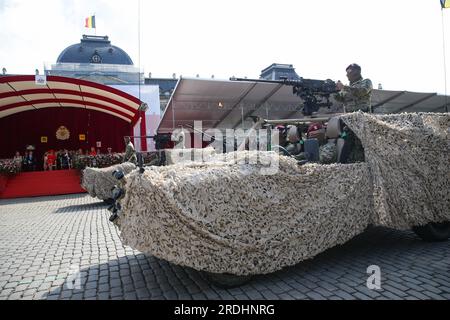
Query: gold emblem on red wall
[62, 133]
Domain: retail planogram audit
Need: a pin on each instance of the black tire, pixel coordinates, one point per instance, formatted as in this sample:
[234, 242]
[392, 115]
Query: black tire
[226, 280]
[109, 201]
[433, 231]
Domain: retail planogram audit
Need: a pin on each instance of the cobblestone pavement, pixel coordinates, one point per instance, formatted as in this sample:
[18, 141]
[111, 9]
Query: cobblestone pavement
[44, 240]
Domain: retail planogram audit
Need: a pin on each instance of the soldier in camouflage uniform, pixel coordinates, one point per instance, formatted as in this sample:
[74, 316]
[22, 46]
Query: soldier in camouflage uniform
[328, 152]
[355, 97]
[130, 152]
[327, 149]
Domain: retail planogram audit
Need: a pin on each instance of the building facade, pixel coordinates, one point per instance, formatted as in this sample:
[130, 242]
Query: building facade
[276, 71]
[96, 59]
[166, 88]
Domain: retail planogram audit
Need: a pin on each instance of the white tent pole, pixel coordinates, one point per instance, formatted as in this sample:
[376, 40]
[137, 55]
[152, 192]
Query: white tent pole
[173, 115]
[445, 64]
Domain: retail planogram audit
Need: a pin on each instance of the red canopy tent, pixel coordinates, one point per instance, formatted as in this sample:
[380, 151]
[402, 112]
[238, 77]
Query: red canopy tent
[31, 109]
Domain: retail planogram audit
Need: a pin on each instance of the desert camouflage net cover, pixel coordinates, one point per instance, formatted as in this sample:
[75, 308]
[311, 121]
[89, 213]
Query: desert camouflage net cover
[182, 155]
[244, 218]
[98, 182]
[409, 159]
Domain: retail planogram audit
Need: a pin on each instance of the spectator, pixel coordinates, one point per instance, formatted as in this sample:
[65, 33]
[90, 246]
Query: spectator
[59, 159]
[18, 158]
[109, 150]
[65, 160]
[93, 152]
[29, 161]
[51, 160]
[45, 161]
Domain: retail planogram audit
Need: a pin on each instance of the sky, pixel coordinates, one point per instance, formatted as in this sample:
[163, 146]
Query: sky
[397, 43]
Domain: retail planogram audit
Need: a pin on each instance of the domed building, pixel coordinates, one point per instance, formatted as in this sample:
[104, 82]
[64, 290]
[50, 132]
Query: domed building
[96, 59]
[95, 115]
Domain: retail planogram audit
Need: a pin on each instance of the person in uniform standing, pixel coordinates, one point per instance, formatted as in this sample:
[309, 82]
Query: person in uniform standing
[130, 152]
[355, 97]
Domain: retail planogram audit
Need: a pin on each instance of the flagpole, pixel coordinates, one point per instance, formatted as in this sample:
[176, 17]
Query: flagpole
[143, 127]
[139, 47]
[445, 64]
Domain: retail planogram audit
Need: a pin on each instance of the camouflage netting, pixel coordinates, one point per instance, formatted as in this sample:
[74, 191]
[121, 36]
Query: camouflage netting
[409, 159]
[184, 155]
[227, 217]
[98, 182]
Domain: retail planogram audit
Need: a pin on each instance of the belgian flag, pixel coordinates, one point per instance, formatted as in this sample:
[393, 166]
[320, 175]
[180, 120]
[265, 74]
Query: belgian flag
[90, 22]
[445, 4]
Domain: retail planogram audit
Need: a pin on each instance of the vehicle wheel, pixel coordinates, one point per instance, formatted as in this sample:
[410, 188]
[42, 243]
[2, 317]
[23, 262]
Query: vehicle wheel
[433, 231]
[226, 280]
[109, 201]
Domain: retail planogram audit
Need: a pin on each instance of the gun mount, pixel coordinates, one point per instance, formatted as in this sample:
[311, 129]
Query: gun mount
[314, 93]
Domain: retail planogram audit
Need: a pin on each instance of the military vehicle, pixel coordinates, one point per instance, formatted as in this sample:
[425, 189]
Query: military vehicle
[232, 219]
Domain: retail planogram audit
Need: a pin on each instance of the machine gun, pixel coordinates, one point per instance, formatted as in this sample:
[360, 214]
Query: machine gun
[314, 93]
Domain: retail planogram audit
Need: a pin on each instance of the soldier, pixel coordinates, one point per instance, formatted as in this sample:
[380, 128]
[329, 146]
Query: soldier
[327, 149]
[356, 96]
[293, 137]
[315, 131]
[130, 153]
[328, 152]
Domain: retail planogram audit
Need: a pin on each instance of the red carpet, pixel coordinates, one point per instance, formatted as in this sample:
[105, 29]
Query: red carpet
[42, 183]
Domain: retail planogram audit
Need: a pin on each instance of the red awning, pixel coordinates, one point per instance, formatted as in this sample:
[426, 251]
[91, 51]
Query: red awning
[21, 93]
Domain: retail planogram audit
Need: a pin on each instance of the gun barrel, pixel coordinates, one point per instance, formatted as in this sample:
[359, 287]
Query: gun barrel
[303, 120]
[257, 80]
[289, 82]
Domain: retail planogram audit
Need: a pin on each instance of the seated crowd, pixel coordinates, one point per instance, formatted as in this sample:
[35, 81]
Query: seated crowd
[52, 160]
